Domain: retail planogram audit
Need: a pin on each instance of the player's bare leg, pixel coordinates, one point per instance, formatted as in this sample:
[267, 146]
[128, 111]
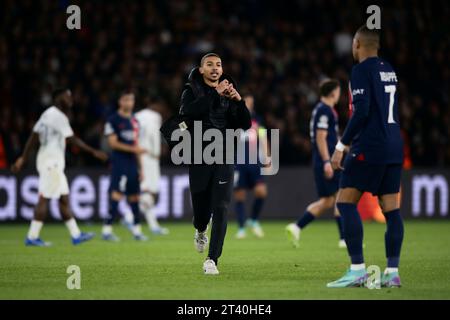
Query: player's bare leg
[107, 231]
[40, 213]
[338, 218]
[390, 204]
[71, 224]
[147, 203]
[239, 197]
[313, 211]
[133, 201]
[260, 194]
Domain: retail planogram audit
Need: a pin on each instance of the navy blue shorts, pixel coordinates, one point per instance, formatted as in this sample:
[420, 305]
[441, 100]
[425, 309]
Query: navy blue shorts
[378, 179]
[325, 187]
[125, 182]
[247, 176]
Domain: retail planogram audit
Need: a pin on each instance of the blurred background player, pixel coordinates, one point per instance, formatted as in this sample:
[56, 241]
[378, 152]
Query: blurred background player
[149, 120]
[51, 131]
[374, 162]
[248, 176]
[324, 131]
[122, 131]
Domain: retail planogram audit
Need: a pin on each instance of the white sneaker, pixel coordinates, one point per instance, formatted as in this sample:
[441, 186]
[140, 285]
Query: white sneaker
[210, 268]
[257, 230]
[200, 240]
[293, 234]
[342, 244]
[241, 234]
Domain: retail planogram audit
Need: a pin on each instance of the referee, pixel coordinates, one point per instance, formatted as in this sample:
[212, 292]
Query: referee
[211, 97]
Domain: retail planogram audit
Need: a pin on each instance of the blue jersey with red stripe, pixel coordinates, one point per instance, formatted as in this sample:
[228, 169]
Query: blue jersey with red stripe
[323, 117]
[127, 131]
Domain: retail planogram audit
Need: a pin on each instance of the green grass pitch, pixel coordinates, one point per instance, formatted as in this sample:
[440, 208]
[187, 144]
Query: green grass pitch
[170, 268]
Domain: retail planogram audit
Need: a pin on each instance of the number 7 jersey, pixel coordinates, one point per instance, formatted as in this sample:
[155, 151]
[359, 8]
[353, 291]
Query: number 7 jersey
[373, 85]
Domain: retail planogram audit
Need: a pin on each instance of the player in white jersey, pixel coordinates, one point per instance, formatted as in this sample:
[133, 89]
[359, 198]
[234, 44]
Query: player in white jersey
[150, 140]
[51, 131]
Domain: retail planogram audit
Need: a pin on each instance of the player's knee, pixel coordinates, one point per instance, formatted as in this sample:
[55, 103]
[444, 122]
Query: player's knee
[239, 195]
[389, 202]
[41, 210]
[64, 201]
[261, 191]
[133, 198]
[327, 203]
[116, 196]
[348, 195]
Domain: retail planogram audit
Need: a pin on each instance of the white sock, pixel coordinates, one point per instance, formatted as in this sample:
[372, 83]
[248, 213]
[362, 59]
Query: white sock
[35, 229]
[128, 217]
[137, 230]
[357, 267]
[71, 224]
[390, 270]
[107, 229]
[151, 219]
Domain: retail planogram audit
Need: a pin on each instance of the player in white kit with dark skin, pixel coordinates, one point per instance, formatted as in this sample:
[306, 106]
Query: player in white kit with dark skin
[52, 130]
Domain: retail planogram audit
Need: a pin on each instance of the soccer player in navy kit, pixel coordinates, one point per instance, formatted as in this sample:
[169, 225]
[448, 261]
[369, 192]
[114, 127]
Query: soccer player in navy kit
[121, 130]
[324, 130]
[248, 175]
[374, 161]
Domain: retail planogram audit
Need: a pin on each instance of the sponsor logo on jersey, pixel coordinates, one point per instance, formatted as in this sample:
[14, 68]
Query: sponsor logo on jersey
[357, 91]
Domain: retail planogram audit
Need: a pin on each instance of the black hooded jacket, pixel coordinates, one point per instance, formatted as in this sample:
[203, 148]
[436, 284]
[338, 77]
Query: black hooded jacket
[202, 102]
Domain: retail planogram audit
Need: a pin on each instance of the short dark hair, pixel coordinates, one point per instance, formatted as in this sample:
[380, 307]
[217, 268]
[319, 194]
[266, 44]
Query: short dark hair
[57, 92]
[211, 54]
[125, 91]
[327, 86]
[369, 37]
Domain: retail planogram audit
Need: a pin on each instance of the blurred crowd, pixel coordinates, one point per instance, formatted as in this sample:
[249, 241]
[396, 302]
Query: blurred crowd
[277, 50]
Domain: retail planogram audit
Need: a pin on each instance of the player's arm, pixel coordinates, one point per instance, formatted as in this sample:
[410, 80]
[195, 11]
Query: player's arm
[32, 142]
[115, 144]
[156, 143]
[74, 140]
[140, 165]
[361, 96]
[265, 146]
[196, 107]
[322, 146]
[361, 103]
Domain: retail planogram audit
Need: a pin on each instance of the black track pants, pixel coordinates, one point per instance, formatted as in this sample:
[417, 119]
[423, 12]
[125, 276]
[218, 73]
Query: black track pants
[211, 187]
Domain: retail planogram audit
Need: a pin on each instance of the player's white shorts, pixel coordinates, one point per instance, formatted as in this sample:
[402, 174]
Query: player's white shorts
[52, 180]
[152, 173]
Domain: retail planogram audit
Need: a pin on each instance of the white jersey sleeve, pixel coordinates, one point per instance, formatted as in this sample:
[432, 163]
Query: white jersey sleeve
[150, 137]
[63, 126]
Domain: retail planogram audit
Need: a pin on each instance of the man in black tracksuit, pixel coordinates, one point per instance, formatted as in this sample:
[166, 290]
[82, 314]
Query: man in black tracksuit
[211, 97]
